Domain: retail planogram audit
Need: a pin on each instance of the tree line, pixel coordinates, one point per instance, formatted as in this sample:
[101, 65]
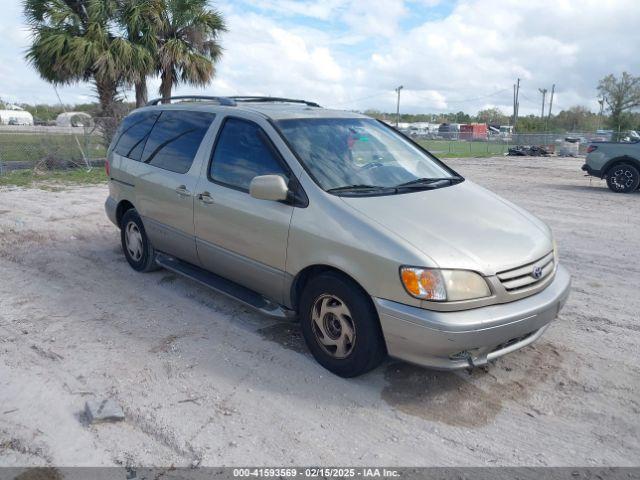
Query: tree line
[573, 119]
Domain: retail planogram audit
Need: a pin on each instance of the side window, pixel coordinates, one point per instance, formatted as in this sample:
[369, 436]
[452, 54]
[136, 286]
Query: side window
[243, 151]
[175, 139]
[133, 133]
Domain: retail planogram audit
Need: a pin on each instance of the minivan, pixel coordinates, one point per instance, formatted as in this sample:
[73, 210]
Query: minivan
[337, 221]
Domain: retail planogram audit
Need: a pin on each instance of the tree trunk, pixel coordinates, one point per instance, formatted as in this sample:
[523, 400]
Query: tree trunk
[107, 91]
[141, 93]
[166, 86]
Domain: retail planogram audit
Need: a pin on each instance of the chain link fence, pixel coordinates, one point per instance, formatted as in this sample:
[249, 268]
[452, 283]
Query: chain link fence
[54, 147]
[46, 148]
[452, 144]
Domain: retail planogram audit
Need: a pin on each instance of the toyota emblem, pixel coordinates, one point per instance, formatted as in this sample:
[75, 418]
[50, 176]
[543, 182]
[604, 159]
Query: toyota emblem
[537, 272]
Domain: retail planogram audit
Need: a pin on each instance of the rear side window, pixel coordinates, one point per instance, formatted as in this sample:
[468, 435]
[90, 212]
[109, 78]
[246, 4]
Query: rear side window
[243, 151]
[175, 139]
[133, 133]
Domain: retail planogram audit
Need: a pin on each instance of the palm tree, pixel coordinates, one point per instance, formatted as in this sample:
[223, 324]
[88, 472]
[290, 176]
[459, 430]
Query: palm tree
[188, 47]
[72, 42]
[140, 19]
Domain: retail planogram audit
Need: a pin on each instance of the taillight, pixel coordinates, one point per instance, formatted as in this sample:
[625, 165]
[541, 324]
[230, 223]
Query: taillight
[107, 167]
[591, 148]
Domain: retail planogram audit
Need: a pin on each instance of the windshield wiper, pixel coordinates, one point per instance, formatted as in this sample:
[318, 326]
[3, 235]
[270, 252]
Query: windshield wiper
[356, 188]
[429, 182]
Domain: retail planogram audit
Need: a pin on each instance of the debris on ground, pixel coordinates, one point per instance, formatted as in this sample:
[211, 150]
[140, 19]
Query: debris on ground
[106, 410]
[528, 151]
[51, 355]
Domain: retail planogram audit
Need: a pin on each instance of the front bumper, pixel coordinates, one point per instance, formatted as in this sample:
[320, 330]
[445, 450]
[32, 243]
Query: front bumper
[467, 338]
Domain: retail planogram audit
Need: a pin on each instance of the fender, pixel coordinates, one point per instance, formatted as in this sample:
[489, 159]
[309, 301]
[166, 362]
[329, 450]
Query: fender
[610, 163]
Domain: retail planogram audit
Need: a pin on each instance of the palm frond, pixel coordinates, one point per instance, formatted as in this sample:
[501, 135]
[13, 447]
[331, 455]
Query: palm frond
[189, 41]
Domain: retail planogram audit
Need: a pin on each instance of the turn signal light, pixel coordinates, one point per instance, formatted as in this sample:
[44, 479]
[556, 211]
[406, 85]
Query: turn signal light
[423, 283]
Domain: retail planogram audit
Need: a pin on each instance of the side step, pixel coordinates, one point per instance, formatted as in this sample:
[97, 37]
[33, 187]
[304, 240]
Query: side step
[226, 287]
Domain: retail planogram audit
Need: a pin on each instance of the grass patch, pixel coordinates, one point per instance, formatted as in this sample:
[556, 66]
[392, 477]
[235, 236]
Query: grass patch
[51, 180]
[26, 147]
[461, 149]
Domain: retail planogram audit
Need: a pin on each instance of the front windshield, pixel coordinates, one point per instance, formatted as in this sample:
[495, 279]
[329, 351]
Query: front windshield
[358, 152]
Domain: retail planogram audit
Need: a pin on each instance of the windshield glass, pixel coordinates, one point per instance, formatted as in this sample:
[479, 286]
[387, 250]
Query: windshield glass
[358, 152]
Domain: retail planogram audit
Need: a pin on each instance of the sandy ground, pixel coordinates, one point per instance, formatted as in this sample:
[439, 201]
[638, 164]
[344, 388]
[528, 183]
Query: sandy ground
[204, 381]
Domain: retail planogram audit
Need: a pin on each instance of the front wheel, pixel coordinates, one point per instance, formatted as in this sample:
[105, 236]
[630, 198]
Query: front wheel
[340, 325]
[623, 178]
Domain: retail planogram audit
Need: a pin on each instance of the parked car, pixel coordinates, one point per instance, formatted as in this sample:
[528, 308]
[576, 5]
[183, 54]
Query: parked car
[617, 162]
[336, 220]
[450, 131]
[630, 136]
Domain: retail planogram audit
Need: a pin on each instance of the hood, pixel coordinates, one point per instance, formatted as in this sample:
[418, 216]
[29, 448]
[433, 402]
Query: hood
[462, 226]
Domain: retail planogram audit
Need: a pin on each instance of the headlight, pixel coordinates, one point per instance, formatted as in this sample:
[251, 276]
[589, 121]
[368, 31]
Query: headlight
[443, 285]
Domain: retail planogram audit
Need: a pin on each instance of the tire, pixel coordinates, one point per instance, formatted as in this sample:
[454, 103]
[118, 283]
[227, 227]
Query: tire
[623, 178]
[340, 325]
[135, 244]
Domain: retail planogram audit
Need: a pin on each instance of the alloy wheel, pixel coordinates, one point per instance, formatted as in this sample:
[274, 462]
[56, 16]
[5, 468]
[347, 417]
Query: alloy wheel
[623, 178]
[133, 241]
[333, 326]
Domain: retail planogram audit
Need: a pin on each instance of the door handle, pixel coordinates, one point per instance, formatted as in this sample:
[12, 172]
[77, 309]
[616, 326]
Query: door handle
[182, 191]
[205, 197]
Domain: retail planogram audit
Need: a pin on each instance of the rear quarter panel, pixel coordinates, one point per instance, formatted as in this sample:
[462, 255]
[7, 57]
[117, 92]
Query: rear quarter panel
[606, 152]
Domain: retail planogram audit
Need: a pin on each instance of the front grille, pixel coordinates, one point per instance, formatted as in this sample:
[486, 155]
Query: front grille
[521, 278]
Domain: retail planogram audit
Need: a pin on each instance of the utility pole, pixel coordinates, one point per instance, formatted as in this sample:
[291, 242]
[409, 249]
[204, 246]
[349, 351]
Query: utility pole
[516, 104]
[601, 102]
[553, 89]
[398, 106]
[513, 122]
[543, 91]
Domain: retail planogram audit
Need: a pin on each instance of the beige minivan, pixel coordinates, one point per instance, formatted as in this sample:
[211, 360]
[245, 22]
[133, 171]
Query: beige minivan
[337, 220]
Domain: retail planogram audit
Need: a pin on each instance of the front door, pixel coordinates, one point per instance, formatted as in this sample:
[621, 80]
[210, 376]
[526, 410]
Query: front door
[237, 236]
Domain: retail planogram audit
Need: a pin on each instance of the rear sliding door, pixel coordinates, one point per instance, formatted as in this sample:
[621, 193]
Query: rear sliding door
[166, 178]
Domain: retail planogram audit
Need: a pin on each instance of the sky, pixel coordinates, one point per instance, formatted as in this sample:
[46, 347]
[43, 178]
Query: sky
[351, 54]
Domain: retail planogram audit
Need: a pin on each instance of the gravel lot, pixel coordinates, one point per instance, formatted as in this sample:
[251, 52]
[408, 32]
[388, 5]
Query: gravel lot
[204, 381]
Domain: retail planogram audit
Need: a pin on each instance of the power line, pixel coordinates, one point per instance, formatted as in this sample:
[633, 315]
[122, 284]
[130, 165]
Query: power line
[498, 92]
[355, 100]
[479, 98]
[422, 97]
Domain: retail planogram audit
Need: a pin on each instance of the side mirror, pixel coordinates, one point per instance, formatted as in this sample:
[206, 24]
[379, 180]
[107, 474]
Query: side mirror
[269, 187]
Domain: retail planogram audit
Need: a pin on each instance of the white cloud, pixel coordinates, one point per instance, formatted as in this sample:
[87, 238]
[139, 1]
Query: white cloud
[484, 45]
[320, 9]
[374, 18]
[353, 53]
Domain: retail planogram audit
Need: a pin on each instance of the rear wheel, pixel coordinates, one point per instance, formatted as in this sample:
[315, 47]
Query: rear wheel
[340, 325]
[135, 244]
[623, 178]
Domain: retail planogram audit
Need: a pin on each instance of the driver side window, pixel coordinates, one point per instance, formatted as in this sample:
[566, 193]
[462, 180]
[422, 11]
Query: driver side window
[243, 151]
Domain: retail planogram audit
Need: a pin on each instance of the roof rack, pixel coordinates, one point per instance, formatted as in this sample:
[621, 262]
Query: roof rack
[226, 101]
[272, 99]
